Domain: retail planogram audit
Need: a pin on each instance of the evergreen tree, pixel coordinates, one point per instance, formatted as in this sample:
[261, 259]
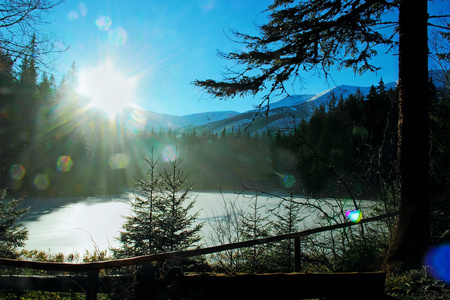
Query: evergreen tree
[26, 96]
[256, 225]
[9, 119]
[178, 228]
[46, 90]
[287, 220]
[321, 34]
[440, 164]
[440, 135]
[141, 236]
[21, 22]
[19, 108]
[412, 235]
[12, 235]
[71, 78]
[161, 219]
[6, 72]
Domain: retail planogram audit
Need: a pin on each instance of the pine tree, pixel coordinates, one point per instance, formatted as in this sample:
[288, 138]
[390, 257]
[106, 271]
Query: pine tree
[21, 22]
[19, 107]
[161, 220]
[287, 220]
[6, 72]
[177, 226]
[440, 165]
[321, 34]
[71, 77]
[46, 90]
[25, 93]
[255, 225]
[9, 119]
[141, 236]
[12, 235]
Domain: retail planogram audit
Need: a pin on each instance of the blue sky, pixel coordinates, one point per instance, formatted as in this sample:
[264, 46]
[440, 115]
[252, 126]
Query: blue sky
[167, 44]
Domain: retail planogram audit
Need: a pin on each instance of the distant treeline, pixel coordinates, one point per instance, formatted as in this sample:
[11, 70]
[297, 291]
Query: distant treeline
[52, 144]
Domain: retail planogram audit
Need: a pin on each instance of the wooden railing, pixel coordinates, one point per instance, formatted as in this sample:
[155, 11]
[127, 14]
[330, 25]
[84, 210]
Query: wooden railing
[90, 284]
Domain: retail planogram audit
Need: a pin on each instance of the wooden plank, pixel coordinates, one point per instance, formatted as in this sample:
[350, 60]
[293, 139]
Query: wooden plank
[218, 286]
[280, 286]
[92, 285]
[297, 255]
[44, 283]
[62, 283]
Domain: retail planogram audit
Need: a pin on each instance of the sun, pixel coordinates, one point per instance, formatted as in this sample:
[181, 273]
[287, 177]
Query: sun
[107, 88]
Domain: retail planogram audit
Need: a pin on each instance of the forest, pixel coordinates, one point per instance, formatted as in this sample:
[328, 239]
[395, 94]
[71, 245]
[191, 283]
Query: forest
[346, 149]
[389, 148]
[55, 147]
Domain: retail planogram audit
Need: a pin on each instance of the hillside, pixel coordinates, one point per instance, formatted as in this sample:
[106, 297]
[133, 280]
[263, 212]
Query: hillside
[283, 114]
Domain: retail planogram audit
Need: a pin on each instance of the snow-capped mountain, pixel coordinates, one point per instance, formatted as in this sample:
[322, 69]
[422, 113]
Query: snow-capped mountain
[283, 113]
[291, 100]
[345, 91]
[208, 117]
[148, 120]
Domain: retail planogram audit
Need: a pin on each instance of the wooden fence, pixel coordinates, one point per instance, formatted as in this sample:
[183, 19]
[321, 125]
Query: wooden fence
[91, 283]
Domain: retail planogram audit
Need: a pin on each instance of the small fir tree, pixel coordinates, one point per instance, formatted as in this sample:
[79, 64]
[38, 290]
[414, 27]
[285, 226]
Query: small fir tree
[12, 235]
[288, 216]
[256, 225]
[178, 227]
[161, 219]
[141, 233]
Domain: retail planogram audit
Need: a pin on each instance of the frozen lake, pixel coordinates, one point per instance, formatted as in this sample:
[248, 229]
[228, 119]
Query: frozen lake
[70, 225]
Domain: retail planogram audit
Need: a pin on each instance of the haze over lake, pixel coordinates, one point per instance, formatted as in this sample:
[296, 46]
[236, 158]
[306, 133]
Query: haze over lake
[77, 224]
[81, 224]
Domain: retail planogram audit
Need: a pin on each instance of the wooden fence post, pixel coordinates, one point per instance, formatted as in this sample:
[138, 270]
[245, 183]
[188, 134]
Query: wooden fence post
[92, 285]
[297, 255]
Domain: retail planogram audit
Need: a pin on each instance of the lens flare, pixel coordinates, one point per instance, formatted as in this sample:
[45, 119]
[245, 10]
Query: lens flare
[288, 181]
[118, 36]
[206, 4]
[118, 161]
[64, 163]
[103, 23]
[10, 113]
[137, 121]
[169, 154]
[354, 215]
[83, 9]
[41, 182]
[72, 15]
[17, 172]
[438, 259]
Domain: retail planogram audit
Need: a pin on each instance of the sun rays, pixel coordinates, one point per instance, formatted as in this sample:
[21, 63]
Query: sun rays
[107, 89]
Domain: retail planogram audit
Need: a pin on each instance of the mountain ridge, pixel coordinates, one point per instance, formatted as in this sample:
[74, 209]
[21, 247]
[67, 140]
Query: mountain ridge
[282, 114]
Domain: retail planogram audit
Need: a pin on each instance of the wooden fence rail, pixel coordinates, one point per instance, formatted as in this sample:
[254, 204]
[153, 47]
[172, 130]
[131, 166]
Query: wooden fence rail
[92, 269]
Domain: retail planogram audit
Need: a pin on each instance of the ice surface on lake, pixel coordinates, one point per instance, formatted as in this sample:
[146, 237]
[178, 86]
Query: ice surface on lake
[70, 225]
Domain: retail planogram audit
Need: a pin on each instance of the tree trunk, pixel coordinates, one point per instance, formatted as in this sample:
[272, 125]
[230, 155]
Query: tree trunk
[412, 234]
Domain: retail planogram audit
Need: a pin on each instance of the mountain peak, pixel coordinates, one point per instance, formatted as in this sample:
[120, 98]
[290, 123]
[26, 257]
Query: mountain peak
[281, 112]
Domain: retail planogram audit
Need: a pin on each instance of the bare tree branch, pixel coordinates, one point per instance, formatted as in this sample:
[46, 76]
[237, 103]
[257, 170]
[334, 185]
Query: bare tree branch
[20, 24]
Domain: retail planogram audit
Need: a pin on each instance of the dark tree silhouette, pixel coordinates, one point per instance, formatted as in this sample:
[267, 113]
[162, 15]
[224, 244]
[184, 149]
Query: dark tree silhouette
[412, 236]
[317, 34]
[12, 234]
[161, 220]
[20, 22]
